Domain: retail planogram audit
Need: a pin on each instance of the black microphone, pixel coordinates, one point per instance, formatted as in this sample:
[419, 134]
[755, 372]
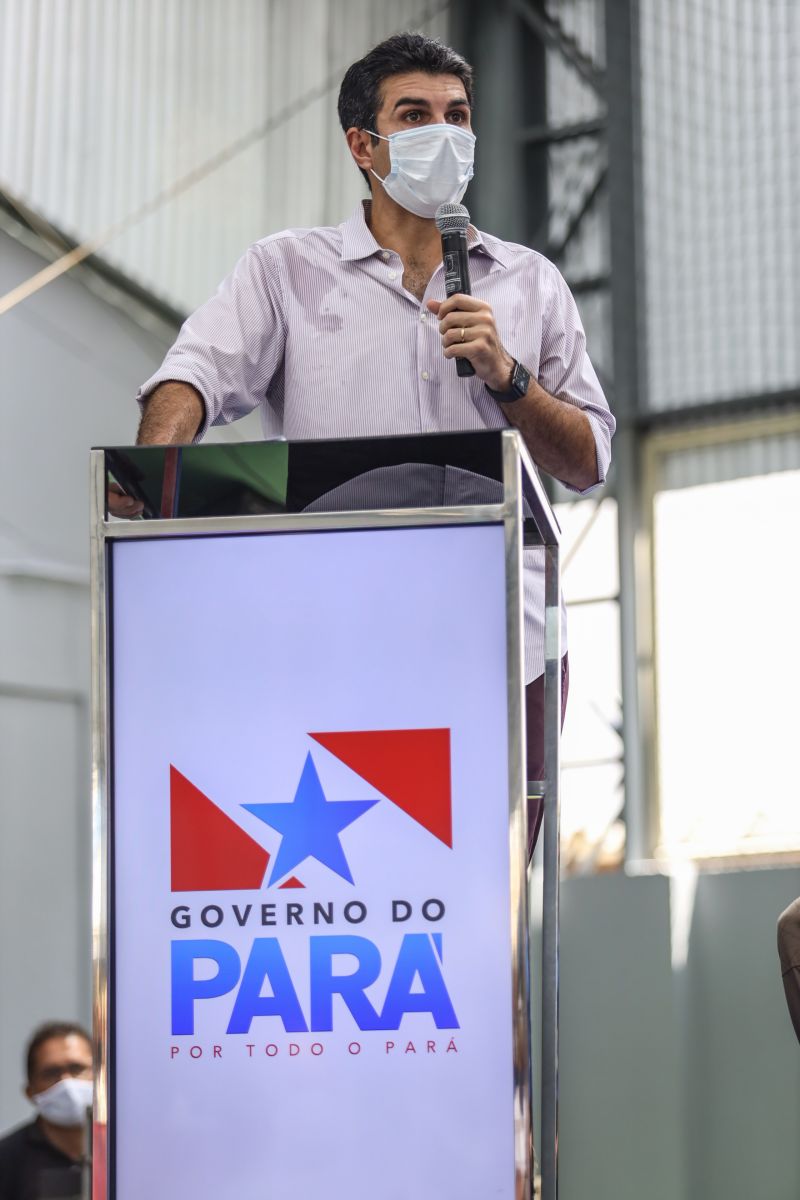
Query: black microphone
[452, 221]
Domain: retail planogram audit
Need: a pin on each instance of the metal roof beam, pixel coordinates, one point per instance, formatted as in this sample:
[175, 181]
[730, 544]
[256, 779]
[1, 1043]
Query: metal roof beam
[536, 135]
[556, 249]
[553, 35]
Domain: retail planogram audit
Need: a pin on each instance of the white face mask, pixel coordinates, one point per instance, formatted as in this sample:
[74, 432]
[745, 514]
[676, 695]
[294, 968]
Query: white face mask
[430, 166]
[66, 1102]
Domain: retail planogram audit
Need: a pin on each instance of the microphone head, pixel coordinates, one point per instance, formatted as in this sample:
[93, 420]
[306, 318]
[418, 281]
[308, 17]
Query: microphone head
[452, 218]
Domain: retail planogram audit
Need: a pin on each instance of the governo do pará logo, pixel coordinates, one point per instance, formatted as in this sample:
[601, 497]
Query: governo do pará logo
[410, 769]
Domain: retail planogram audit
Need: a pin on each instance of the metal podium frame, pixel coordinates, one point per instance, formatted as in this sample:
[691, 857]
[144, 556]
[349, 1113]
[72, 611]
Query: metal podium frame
[526, 516]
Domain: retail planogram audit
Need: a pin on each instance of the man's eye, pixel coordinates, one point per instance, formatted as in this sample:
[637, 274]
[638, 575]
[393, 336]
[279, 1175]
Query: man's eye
[458, 117]
[413, 115]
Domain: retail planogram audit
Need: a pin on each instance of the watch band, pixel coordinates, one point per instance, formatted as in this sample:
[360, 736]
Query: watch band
[520, 378]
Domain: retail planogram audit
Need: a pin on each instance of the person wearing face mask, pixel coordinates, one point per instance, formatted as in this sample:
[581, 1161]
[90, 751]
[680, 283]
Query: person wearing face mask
[43, 1159]
[345, 331]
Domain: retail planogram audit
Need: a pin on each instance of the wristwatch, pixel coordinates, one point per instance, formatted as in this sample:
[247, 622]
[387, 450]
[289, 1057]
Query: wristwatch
[520, 378]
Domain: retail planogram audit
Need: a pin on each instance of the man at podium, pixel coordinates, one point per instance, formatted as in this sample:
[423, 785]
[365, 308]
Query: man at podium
[345, 331]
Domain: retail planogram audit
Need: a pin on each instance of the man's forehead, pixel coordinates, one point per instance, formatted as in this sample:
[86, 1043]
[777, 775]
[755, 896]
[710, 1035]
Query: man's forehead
[420, 86]
[68, 1047]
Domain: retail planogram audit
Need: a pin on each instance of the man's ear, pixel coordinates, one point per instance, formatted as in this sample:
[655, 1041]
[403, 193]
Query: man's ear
[360, 145]
[26, 1091]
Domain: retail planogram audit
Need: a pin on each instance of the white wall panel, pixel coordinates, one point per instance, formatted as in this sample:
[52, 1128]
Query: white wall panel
[679, 1082]
[44, 876]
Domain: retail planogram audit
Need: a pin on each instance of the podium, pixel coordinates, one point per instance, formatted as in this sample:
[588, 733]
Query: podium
[310, 893]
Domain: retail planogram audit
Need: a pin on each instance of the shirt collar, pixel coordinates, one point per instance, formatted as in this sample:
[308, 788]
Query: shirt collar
[491, 246]
[358, 241]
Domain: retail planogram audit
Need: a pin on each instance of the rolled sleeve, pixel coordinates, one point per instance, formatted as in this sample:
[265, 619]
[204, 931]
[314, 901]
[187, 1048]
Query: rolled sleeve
[565, 371]
[231, 347]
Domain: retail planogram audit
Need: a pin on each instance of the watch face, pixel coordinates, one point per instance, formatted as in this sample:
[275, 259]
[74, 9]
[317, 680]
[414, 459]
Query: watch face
[520, 380]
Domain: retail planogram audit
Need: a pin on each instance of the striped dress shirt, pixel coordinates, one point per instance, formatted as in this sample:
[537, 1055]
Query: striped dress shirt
[314, 328]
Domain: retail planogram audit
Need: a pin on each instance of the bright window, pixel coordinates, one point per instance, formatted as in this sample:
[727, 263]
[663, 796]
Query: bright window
[727, 610]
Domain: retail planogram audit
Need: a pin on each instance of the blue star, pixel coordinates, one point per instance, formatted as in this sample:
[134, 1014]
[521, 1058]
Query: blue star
[310, 825]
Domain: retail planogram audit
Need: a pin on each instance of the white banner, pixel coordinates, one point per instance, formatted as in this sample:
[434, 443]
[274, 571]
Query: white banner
[310, 930]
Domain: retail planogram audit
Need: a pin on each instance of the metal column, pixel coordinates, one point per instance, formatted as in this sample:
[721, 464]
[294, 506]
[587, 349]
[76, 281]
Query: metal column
[630, 399]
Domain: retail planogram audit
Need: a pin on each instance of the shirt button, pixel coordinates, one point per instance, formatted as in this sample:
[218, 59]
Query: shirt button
[424, 374]
[384, 254]
[393, 274]
[423, 316]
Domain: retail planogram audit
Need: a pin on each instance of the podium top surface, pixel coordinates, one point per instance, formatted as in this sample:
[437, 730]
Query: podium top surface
[233, 479]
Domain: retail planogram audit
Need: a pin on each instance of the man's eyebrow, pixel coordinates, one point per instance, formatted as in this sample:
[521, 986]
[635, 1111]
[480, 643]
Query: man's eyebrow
[418, 101]
[421, 102]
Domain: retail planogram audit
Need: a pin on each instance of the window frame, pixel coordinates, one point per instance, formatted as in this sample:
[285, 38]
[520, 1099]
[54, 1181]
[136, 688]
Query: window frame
[655, 447]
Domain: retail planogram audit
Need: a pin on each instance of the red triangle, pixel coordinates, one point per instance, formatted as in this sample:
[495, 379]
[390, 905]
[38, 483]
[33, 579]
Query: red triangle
[209, 850]
[411, 767]
[292, 882]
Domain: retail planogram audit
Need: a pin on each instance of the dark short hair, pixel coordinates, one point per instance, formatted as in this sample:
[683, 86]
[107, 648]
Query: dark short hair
[45, 1033]
[360, 93]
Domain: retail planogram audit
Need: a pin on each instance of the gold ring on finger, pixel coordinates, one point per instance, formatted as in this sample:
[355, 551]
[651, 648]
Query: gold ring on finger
[462, 333]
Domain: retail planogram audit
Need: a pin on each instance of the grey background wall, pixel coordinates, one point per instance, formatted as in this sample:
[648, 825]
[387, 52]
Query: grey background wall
[70, 365]
[680, 1072]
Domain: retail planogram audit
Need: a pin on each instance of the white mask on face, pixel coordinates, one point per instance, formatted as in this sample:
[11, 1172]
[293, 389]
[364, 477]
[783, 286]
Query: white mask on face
[66, 1102]
[431, 165]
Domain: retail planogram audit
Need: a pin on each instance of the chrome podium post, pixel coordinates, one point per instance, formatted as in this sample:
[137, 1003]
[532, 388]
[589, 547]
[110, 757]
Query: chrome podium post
[551, 874]
[100, 826]
[517, 815]
[537, 507]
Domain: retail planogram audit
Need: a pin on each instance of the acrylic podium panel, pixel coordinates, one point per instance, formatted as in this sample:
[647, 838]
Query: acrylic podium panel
[311, 971]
